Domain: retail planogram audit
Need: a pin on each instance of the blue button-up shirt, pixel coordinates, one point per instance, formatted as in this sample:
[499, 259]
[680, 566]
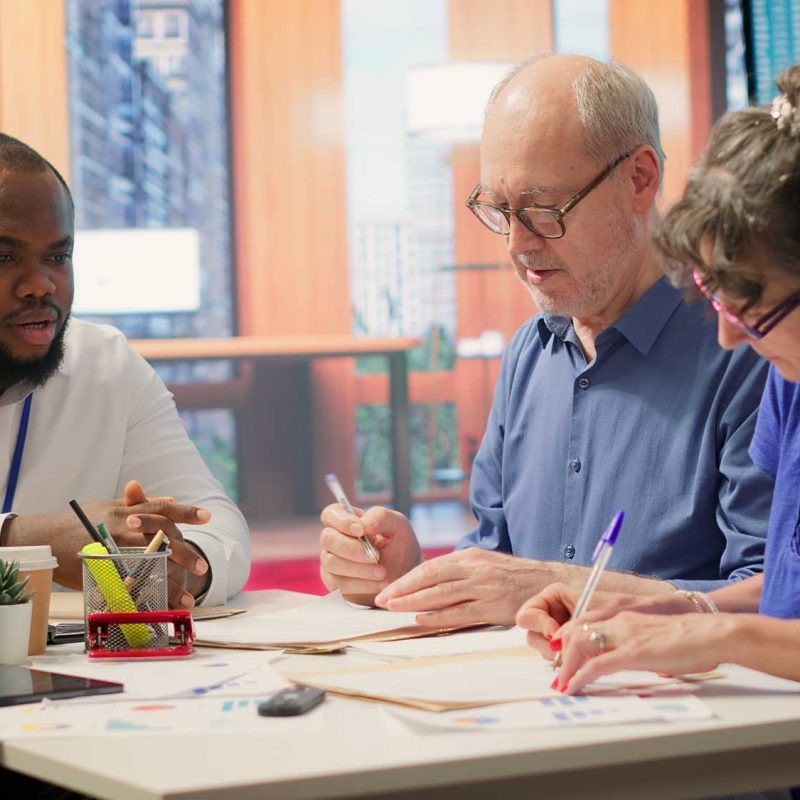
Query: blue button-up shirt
[657, 424]
[776, 450]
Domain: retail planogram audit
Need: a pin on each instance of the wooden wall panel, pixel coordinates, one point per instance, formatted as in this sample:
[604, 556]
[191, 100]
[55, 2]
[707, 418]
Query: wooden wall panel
[500, 30]
[33, 77]
[289, 194]
[666, 41]
[503, 30]
[288, 161]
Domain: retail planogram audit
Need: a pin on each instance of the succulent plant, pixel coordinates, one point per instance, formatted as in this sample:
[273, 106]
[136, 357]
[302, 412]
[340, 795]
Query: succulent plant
[11, 590]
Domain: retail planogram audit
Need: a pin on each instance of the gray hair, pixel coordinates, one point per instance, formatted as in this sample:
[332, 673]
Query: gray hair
[741, 203]
[617, 108]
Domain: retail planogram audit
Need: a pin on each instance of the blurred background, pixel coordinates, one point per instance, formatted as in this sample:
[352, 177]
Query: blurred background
[298, 168]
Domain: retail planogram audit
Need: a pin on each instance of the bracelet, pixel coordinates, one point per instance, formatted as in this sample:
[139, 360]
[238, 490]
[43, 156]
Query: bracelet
[710, 604]
[695, 599]
[692, 597]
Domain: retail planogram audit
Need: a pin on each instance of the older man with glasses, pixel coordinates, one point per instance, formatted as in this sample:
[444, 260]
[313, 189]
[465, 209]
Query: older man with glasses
[616, 395]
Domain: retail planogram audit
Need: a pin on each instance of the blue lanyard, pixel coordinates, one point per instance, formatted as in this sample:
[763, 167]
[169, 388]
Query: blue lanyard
[16, 461]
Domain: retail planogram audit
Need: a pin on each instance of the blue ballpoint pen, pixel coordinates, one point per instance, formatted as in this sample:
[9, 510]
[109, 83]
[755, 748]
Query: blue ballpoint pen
[599, 558]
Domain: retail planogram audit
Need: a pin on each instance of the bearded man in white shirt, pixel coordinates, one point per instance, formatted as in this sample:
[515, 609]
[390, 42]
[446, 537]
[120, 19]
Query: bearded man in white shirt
[83, 416]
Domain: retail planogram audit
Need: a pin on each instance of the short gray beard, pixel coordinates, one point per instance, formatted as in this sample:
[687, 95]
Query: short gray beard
[597, 288]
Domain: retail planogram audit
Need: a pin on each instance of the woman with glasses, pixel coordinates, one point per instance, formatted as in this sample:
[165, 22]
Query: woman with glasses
[734, 237]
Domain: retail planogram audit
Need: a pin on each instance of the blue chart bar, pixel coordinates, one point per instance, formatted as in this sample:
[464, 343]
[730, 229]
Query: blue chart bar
[232, 705]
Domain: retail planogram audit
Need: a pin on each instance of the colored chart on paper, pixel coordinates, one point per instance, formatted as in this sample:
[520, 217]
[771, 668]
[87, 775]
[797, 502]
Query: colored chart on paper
[549, 713]
[128, 726]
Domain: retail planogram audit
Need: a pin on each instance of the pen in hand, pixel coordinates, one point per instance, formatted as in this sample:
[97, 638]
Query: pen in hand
[336, 490]
[599, 558]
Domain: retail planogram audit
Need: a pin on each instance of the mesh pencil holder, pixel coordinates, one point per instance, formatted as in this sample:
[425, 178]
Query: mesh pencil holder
[126, 583]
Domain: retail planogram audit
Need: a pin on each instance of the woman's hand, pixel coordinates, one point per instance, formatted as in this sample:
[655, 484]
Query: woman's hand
[544, 614]
[672, 645]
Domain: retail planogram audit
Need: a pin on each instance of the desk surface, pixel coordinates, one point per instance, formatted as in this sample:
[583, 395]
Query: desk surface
[270, 347]
[356, 749]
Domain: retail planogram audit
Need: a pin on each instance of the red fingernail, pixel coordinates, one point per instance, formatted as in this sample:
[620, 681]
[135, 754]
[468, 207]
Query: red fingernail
[554, 684]
[555, 645]
[563, 689]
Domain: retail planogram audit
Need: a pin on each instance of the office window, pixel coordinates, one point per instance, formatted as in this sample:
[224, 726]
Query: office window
[172, 25]
[400, 224]
[150, 176]
[773, 29]
[581, 26]
[145, 25]
[736, 92]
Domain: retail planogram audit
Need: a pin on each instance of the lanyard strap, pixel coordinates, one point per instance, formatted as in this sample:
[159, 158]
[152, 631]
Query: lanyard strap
[16, 461]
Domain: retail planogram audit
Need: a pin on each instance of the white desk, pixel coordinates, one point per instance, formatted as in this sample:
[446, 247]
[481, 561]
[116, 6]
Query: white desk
[358, 750]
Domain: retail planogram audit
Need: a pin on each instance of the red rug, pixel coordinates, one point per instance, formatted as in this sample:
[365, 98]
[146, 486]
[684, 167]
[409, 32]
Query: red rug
[300, 574]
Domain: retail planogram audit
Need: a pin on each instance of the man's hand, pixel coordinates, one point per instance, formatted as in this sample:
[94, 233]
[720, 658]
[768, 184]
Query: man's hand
[344, 564]
[469, 586]
[132, 520]
[187, 569]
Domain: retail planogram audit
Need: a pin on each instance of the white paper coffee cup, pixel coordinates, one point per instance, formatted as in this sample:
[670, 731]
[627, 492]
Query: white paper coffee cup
[38, 563]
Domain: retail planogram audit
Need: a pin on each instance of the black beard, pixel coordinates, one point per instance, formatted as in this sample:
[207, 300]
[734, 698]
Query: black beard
[37, 372]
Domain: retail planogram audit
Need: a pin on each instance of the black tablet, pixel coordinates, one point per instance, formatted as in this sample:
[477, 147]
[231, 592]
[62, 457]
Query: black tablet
[20, 685]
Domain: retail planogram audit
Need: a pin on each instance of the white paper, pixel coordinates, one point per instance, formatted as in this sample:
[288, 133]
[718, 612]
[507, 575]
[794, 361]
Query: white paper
[262, 681]
[666, 705]
[677, 705]
[202, 673]
[449, 644]
[328, 619]
[504, 678]
[209, 715]
[558, 712]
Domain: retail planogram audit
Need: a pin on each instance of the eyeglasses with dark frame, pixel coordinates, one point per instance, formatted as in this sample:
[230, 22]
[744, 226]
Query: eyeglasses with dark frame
[763, 325]
[545, 222]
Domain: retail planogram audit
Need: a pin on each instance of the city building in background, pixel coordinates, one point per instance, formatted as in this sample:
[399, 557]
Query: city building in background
[149, 149]
[773, 27]
[401, 205]
[400, 220]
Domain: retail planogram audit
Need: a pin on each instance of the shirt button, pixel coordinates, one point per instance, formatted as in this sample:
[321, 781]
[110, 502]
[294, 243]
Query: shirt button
[575, 465]
[584, 383]
[569, 551]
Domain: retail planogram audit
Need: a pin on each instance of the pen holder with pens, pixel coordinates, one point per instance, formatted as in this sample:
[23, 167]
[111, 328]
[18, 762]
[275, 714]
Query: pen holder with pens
[125, 605]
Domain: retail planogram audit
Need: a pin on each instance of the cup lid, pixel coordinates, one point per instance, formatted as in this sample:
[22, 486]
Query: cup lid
[32, 557]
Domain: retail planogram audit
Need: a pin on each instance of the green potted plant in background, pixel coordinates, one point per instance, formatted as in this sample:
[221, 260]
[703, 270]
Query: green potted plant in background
[15, 614]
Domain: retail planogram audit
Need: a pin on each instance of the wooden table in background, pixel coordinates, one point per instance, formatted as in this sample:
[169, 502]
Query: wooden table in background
[283, 362]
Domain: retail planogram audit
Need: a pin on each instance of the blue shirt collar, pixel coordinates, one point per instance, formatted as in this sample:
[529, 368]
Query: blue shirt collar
[640, 324]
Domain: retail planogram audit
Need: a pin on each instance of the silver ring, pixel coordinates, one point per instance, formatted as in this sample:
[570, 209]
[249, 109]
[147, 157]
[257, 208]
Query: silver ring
[599, 638]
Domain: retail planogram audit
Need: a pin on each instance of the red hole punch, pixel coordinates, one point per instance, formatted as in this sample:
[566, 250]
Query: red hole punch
[104, 640]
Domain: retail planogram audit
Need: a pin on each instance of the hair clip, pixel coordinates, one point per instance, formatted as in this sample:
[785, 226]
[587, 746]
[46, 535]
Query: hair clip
[785, 115]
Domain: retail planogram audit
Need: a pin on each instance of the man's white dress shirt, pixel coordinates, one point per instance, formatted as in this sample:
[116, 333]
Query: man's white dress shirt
[106, 418]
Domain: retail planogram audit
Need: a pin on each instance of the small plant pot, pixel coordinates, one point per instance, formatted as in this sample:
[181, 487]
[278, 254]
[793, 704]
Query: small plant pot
[15, 629]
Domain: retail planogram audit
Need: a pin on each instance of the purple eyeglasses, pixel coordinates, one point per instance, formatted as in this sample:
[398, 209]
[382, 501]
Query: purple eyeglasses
[763, 325]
